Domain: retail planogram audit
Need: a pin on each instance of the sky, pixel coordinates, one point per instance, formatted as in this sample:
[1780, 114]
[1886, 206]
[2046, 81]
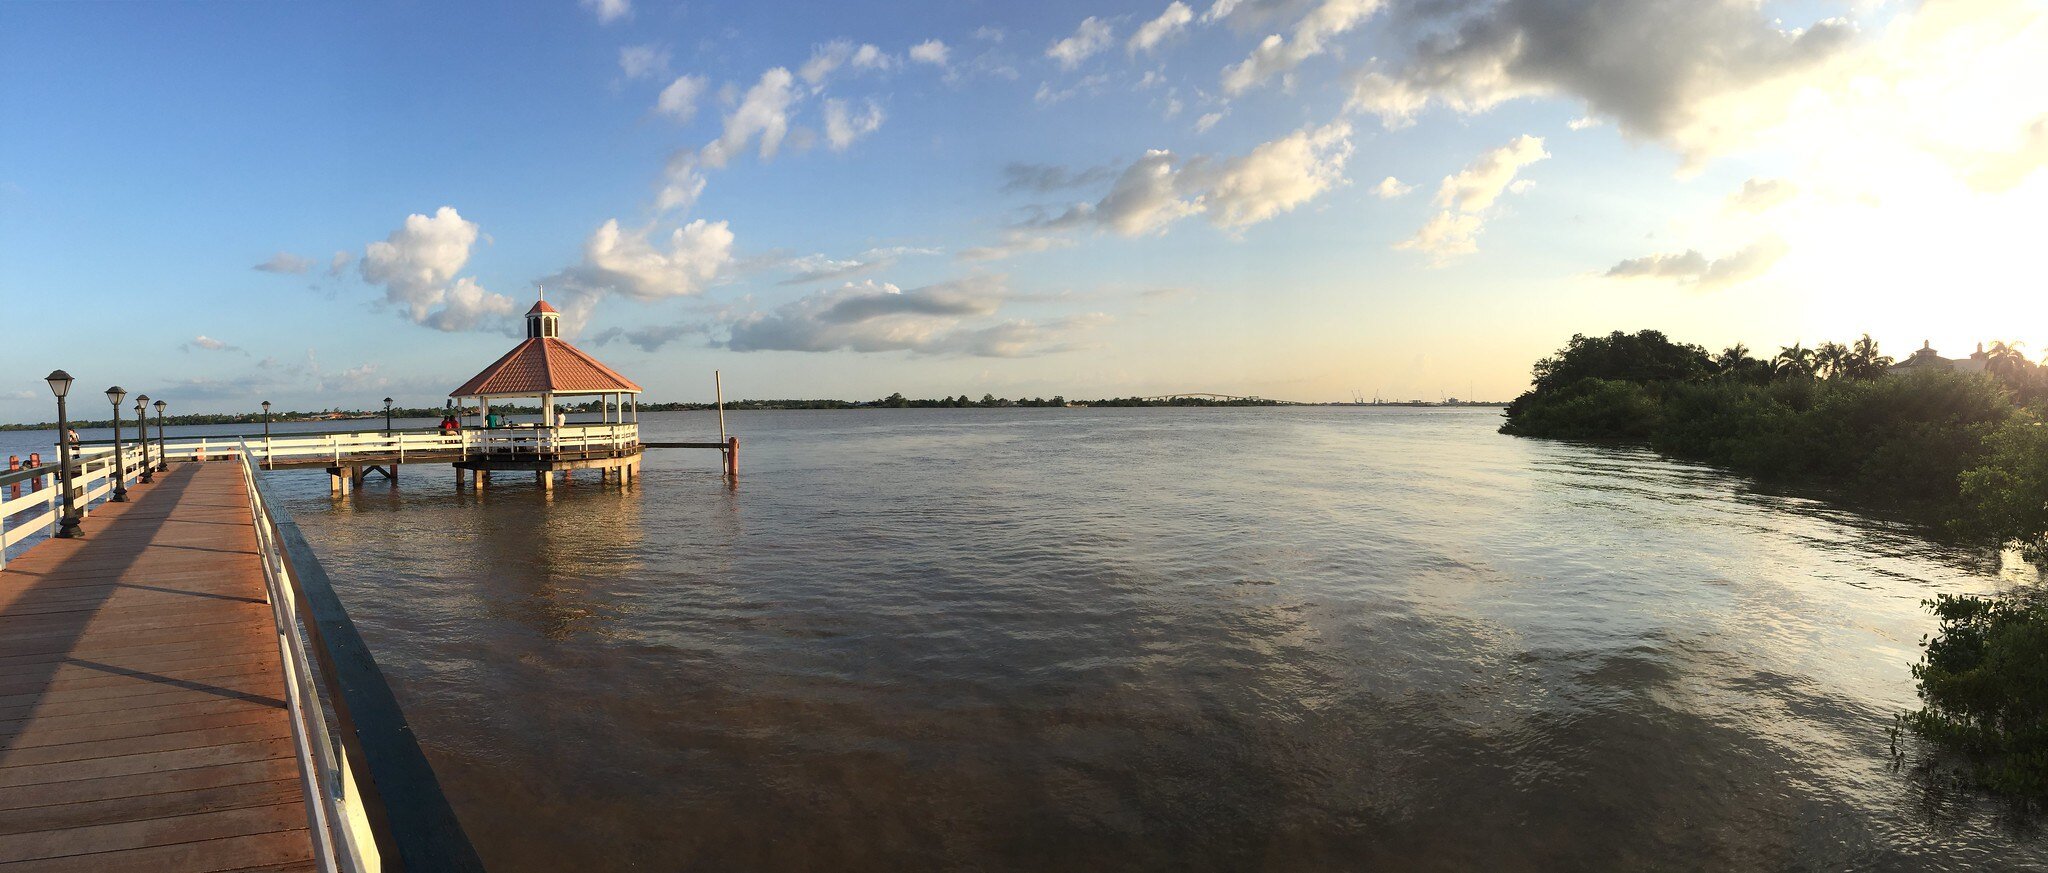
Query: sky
[322, 204]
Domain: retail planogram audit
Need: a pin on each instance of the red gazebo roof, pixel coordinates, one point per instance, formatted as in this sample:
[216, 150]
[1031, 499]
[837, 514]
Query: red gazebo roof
[545, 365]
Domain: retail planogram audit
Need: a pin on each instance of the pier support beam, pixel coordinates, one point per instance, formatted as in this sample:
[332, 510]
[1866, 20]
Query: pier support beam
[546, 480]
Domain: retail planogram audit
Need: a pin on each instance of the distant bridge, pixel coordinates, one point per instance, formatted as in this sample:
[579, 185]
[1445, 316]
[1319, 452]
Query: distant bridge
[1199, 394]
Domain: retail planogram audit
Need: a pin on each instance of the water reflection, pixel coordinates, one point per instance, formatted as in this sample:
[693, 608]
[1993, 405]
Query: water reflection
[1385, 639]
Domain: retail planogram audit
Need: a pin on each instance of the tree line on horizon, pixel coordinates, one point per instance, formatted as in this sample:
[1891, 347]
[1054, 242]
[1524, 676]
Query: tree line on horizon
[893, 401]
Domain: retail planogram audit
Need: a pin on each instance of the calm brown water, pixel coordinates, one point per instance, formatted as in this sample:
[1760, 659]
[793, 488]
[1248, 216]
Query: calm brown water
[1160, 639]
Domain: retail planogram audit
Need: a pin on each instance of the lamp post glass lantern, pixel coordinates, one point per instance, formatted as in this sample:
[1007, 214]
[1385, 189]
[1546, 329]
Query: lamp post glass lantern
[115, 395]
[387, 416]
[67, 523]
[163, 459]
[142, 437]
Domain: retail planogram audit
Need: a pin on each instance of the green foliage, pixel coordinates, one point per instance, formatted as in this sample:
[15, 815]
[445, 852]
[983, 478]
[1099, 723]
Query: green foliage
[1590, 408]
[1984, 682]
[1644, 356]
[2006, 493]
[1953, 442]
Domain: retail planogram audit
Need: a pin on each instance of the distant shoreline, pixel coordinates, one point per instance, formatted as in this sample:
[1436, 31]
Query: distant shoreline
[748, 406]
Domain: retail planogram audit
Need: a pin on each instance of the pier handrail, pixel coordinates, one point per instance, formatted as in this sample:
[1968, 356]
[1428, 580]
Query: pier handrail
[343, 446]
[39, 509]
[372, 799]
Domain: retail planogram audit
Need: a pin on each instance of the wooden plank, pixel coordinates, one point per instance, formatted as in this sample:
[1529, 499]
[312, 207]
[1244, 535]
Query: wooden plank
[159, 710]
[63, 816]
[40, 733]
[253, 689]
[145, 833]
[58, 667]
[154, 762]
[142, 722]
[265, 850]
[146, 784]
[193, 738]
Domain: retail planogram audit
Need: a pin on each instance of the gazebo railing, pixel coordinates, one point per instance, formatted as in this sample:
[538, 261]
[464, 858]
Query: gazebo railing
[338, 448]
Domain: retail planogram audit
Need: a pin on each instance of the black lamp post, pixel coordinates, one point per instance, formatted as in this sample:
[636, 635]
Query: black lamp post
[266, 434]
[142, 436]
[115, 395]
[387, 416]
[60, 385]
[163, 458]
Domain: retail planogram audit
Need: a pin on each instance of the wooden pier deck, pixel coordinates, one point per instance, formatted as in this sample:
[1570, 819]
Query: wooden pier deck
[143, 715]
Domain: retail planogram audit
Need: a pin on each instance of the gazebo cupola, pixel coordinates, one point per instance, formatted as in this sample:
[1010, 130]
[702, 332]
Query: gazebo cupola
[545, 366]
[543, 321]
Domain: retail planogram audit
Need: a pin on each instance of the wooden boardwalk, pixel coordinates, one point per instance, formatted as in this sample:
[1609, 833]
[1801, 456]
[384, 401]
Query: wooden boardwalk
[143, 723]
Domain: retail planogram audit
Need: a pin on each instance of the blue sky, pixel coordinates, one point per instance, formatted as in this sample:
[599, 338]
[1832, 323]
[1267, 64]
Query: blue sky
[321, 204]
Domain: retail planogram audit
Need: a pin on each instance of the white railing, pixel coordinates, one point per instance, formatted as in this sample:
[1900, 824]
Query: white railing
[372, 801]
[398, 446]
[32, 502]
[93, 464]
[342, 839]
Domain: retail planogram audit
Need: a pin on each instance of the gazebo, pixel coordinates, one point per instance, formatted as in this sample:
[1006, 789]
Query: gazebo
[546, 367]
[543, 367]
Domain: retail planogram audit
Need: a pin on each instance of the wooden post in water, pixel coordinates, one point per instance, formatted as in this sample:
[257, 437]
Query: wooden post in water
[732, 458]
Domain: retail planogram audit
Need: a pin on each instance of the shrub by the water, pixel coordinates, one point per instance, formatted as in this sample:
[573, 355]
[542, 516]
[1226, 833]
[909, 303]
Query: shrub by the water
[1984, 680]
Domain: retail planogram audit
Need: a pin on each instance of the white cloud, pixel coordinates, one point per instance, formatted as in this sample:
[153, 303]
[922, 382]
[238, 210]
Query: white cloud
[1015, 242]
[868, 57]
[1159, 189]
[1278, 55]
[874, 316]
[467, 306]
[1390, 188]
[679, 99]
[1583, 122]
[643, 61]
[842, 52]
[339, 264]
[681, 183]
[1465, 196]
[1047, 95]
[930, 51]
[1697, 74]
[1219, 10]
[1482, 181]
[635, 264]
[988, 33]
[819, 268]
[1280, 175]
[1760, 194]
[1150, 34]
[416, 265]
[210, 344]
[1089, 39]
[285, 262]
[1208, 120]
[1447, 234]
[609, 11]
[1144, 200]
[842, 127]
[1694, 269]
[762, 113]
[2002, 170]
